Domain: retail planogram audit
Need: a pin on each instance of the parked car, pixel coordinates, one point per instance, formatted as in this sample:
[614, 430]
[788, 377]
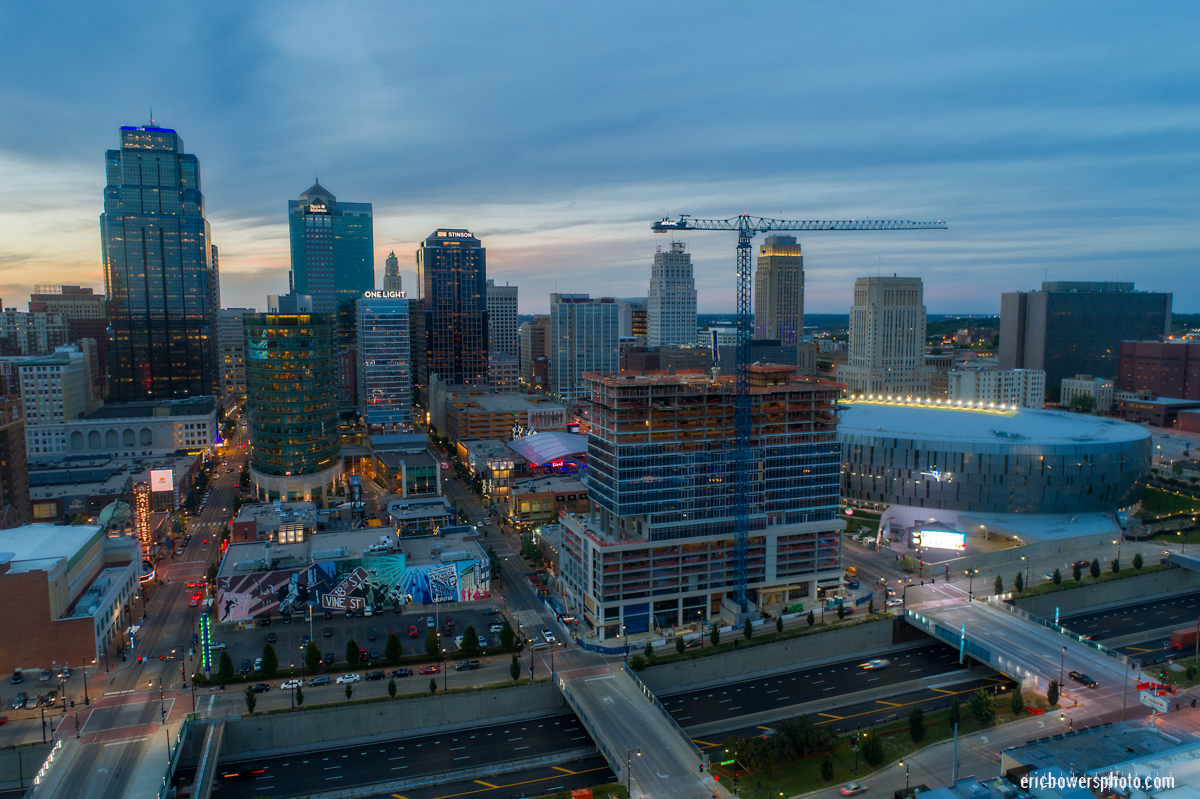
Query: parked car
[328, 632]
[20, 700]
[289, 685]
[412, 631]
[449, 621]
[328, 659]
[304, 641]
[1082, 678]
[271, 638]
[45, 676]
[322, 680]
[496, 627]
[265, 621]
[894, 603]
[431, 669]
[466, 665]
[430, 622]
[328, 615]
[216, 645]
[286, 619]
[49, 699]
[375, 654]
[261, 688]
[246, 666]
[348, 678]
[17, 677]
[32, 702]
[375, 675]
[362, 654]
[371, 635]
[258, 664]
[402, 673]
[492, 612]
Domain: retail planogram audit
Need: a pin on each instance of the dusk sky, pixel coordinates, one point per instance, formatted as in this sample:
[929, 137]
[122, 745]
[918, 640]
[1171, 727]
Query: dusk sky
[1055, 139]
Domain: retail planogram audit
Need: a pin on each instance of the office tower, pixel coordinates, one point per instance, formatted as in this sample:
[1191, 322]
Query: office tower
[86, 317]
[231, 345]
[384, 361]
[887, 338]
[416, 339]
[1163, 368]
[779, 290]
[452, 265]
[535, 363]
[56, 389]
[1071, 328]
[160, 270]
[1100, 390]
[657, 549]
[295, 447]
[391, 274]
[1025, 388]
[502, 320]
[671, 301]
[633, 322]
[36, 332]
[14, 471]
[583, 338]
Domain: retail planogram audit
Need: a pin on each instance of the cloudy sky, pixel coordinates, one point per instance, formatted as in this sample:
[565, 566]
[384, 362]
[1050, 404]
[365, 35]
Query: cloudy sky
[1055, 139]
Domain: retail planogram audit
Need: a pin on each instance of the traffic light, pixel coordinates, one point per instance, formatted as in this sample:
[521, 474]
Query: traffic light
[701, 768]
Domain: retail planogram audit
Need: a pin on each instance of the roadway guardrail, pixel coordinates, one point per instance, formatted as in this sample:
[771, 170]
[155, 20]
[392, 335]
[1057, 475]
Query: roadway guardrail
[661, 709]
[999, 604]
[614, 763]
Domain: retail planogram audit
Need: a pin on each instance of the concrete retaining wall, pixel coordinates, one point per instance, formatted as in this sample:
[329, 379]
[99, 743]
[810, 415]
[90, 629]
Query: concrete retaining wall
[1044, 554]
[744, 663]
[1116, 592]
[280, 733]
[21, 760]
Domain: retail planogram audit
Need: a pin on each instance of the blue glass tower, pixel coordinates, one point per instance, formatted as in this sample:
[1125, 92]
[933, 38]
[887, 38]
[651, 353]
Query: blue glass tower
[160, 270]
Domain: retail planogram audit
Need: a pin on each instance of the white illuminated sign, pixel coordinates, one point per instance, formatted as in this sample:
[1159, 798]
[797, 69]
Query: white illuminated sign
[456, 234]
[941, 539]
[162, 480]
[384, 295]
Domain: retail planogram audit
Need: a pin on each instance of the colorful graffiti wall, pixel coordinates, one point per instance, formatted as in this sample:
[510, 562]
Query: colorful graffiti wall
[351, 584]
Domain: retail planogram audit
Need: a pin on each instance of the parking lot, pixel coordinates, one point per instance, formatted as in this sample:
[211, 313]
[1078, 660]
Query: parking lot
[247, 644]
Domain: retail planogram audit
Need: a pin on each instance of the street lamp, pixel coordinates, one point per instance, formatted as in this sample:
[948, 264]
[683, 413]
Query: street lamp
[971, 583]
[1069, 720]
[905, 777]
[1061, 663]
[628, 766]
[86, 701]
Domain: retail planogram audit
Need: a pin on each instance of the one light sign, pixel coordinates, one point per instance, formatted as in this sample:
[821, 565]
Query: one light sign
[941, 539]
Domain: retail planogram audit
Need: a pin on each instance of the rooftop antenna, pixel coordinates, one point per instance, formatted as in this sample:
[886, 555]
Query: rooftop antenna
[151, 116]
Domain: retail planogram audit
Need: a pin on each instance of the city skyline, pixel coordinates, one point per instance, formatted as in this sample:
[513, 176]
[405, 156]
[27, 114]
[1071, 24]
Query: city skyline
[1073, 165]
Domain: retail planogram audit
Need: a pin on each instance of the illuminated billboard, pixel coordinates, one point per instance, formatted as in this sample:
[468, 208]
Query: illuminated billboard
[162, 480]
[941, 539]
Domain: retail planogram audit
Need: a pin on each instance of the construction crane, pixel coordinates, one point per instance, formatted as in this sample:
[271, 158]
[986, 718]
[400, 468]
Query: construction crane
[747, 226]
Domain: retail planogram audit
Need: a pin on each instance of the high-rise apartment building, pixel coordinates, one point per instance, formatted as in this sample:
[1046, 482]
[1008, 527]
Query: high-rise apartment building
[14, 471]
[671, 300]
[502, 320]
[657, 549]
[160, 270]
[86, 317]
[452, 268]
[583, 338]
[391, 274]
[633, 322]
[1163, 368]
[779, 290]
[1072, 327]
[231, 347]
[291, 404]
[56, 389]
[36, 332]
[1025, 388]
[384, 361]
[887, 338]
[535, 364]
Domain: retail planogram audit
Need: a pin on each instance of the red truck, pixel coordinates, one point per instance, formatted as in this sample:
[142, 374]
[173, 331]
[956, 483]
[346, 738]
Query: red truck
[1184, 637]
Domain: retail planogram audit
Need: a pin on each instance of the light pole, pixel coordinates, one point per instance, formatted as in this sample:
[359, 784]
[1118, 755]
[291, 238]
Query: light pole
[971, 583]
[905, 777]
[1062, 661]
[628, 767]
[86, 701]
[1069, 720]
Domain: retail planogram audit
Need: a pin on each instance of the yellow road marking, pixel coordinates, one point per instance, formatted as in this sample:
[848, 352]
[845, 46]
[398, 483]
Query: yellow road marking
[1139, 649]
[906, 704]
[761, 727]
[943, 691]
[889, 704]
[398, 796]
[706, 743]
[830, 716]
[487, 784]
[559, 768]
[513, 785]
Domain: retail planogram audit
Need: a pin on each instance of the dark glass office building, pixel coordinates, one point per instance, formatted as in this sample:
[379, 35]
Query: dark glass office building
[452, 270]
[295, 449]
[1070, 328]
[160, 271]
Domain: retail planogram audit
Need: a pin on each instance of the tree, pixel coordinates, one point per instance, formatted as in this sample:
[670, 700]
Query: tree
[1176, 469]
[1019, 583]
[1137, 561]
[871, 748]
[841, 611]
[916, 725]
[507, 636]
[270, 663]
[470, 642]
[811, 619]
[251, 699]
[432, 645]
[715, 635]
[312, 657]
[748, 630]
[637, 662]
[349, 692]
[514, 670]
[392, 688]
[1116, 565]
[1077, 572]
[352, 652]
[1052, 693]
[1095, 570]
[393, 649]
[983, 707]
[680, 646]
[955, 713]
[827, 769]
[1084, 403]
[432, 686]
[871, 606]
[1017, 702]
[999, 585]
[225, 669]
[1057, 577]
[299, 696]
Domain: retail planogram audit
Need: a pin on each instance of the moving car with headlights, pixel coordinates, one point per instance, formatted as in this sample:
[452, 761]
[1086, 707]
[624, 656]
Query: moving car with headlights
[875, 663]
[1082, 678]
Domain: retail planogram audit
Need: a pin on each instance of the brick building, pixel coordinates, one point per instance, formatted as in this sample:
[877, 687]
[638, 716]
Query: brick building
[1164, 368]
[14, 469]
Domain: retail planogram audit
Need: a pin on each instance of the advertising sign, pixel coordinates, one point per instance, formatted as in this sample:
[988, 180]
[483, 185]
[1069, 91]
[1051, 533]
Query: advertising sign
[941, 539]
[1159, 703]
[162, 480]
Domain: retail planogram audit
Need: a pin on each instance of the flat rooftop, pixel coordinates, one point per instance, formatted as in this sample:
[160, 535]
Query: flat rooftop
[268, 517]
[418, 508]
[1100, 747]
[394, 458]
[1041, 526]
[505, 403]
[541, 485]
[99, 475]
[200, 406]
[31, 546]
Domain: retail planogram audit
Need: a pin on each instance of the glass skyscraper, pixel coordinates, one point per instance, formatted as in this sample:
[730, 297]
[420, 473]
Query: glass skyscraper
[160, 270]
[384, 359]
[452, 268]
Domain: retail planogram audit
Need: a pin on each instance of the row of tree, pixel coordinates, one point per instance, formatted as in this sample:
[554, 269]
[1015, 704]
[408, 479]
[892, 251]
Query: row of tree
[1076, 572]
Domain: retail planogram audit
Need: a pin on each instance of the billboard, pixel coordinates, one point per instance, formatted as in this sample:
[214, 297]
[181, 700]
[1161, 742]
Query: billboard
[162, 480]
[941, 539]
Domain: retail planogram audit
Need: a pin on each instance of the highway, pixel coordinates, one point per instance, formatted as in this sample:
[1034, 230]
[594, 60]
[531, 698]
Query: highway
[400, 758]
[1173, 612]
[830, 681]
[530, 782]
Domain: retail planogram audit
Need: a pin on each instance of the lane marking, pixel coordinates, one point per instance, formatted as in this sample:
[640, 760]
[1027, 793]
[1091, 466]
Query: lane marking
[487, 784]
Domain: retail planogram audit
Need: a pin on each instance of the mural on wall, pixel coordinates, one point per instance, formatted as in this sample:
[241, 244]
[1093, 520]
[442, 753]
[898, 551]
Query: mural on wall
[350, 585]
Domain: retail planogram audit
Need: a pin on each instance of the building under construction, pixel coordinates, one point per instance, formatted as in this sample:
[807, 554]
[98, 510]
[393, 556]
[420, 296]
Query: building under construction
[656, 549]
